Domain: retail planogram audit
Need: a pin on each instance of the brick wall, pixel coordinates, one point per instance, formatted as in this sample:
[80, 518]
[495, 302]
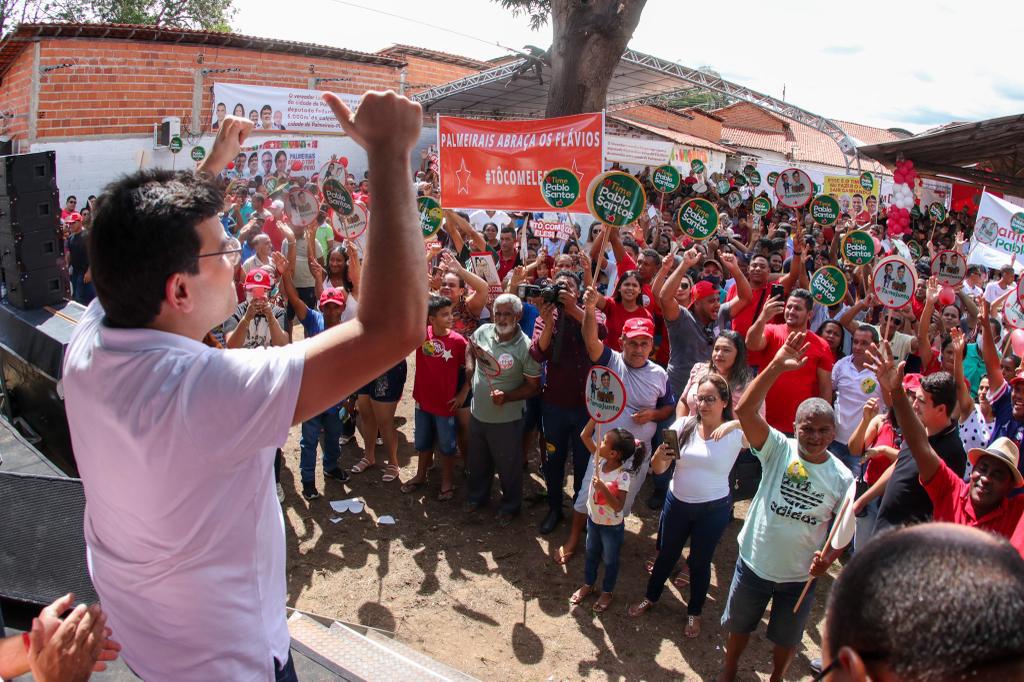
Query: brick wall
[430, 72]
[15, 94]
[122, 87]
[693, 123]
[751, 117]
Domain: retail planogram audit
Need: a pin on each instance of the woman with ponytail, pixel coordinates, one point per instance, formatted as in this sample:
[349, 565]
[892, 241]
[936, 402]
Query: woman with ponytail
[697, 506]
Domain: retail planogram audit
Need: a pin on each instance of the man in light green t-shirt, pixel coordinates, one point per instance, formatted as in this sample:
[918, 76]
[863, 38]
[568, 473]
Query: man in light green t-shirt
[802, 489]
[504, 375]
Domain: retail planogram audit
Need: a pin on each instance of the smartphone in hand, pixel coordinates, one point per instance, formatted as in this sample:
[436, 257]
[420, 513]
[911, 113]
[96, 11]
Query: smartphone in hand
[778, 291]
[671, 439]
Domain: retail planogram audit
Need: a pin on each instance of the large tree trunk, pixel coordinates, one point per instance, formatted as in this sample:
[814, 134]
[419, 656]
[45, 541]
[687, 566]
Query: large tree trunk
[589, 38]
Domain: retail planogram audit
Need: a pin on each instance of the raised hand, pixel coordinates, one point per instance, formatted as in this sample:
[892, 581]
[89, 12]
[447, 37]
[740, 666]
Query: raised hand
[880, 361]
[871, 408]
[590, 297]
[232, 133]
[933, 289]
[280, 262]
[691, 257]
[772, 307]
[729, 261]
[384, 121]
[793, 354]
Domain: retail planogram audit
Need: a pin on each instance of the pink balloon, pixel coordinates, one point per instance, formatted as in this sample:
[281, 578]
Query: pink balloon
[910, 164]
[946, 295]
[343, 161]
[898, 178]
[296, 165]
[1017, 341]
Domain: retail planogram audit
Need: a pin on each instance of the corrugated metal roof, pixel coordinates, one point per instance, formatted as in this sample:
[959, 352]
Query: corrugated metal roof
[19, 38]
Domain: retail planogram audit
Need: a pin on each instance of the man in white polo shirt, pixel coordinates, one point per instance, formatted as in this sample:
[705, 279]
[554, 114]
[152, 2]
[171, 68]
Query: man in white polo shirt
[175, 440]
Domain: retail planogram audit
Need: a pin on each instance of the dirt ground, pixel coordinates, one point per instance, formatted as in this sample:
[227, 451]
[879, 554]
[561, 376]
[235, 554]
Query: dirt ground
[490, 601]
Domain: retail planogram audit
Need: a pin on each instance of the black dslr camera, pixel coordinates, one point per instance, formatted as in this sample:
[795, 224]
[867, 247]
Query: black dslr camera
[548, 293]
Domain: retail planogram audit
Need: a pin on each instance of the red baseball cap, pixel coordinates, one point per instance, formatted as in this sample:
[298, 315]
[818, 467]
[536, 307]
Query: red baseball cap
[638, 326]
[333, 295]
[912, 382]
[1017, 378]
[703, 289]
[259, 278]
[74, 217]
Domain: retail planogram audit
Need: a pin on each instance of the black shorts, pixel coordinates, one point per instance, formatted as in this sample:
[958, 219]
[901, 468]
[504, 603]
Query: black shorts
[388, 387]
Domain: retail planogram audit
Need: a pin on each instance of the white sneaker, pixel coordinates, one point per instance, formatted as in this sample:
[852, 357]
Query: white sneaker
[380, 441]
[280, 493]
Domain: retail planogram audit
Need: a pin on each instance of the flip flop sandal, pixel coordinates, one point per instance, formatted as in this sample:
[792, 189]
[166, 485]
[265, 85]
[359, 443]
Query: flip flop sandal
[391, 472]
[411, 486]
[562, 558]
[446, 495]
[649, 565]
[362, 465]
[692, 627]
[600, 607]
[579, 595]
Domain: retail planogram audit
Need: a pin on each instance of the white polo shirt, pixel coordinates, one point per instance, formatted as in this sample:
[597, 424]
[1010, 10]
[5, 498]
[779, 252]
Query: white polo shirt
[175, 444]
[853, 387]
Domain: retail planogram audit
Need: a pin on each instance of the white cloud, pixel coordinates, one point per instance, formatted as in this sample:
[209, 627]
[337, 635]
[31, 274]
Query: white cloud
[865, 67]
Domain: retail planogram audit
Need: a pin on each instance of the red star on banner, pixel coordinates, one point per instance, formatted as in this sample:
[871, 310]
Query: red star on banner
[463, 176]
[576, 172]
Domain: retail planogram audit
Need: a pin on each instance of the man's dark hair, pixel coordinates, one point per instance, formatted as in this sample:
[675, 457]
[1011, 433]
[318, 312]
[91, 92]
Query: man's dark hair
[871, 330]
[144, 231]
[973, 269]
[942, 388]
[436, 304]
[507, 230]
[651, 253]
[70, 197]
[804, 296]
[281, 154]
[265, 107]
[932, 602]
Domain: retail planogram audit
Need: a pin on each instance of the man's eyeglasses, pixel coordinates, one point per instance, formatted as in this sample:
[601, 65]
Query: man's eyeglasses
[231, 249]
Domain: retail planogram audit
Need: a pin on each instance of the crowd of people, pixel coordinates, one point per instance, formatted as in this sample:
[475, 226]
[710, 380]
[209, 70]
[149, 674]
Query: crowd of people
[728, 364]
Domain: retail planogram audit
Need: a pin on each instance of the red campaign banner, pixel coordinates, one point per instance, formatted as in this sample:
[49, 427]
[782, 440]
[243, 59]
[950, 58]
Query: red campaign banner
[500, 164]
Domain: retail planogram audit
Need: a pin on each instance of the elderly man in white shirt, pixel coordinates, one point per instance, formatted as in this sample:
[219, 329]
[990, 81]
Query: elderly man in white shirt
[175, 440]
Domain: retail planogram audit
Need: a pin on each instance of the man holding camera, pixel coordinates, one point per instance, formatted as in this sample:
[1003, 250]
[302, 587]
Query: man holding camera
[558, 340]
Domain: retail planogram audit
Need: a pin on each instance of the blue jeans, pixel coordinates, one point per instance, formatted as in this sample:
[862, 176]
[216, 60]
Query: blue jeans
[81, 292]
[431, 428]
[603, 545]
[702, 524]
[841, 451]
[329, 423]
[562, 428]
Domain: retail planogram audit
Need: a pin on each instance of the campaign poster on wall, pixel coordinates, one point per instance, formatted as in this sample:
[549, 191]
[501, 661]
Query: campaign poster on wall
[276, 158]
[854, 196]
[500, 164]
[270, 108]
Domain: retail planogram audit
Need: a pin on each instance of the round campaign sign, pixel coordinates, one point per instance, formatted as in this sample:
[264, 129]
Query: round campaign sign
[733, 199]
[700, 187]
[337, 197]
[740, 180]
[560, 187]
[722, 186]
[937, 212]
[794, 188]
[949, 267]
[748, 169]
[894, 282]
[175, 144]
[698, 219]
[666, 179]
[332, 170]
[430, 216]
[914, 248]
[762, 205]
[858, 247]
[616, 198]
[198, 153]
[825, 210]
[867, 181]
[1020, 291]
[697, 166]
[1017, 222]
[605, 394]
[487, 363]
[772, 177]
[828, 285]
[302, 207]
[754, 178]
[1014, 313]
[987, 230]
[351, 226]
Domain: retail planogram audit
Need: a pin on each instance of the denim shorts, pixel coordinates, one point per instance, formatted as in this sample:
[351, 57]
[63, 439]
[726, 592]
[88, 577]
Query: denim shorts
[388, 387]
[749, 595]
[431, 427]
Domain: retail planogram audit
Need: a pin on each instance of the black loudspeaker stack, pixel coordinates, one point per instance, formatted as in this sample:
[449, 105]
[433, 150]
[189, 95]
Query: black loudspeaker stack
[31, 243]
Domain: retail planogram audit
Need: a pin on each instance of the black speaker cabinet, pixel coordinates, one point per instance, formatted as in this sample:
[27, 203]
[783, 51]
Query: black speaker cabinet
[30, 250]
[29, 211]
[26, 173]
[28, 289]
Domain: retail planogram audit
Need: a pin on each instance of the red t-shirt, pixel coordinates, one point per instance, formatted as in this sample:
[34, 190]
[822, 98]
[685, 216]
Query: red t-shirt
[791, 388]
[616, 318]
[271, 229]
[438, 360]
[504, 265]
[878, 465]
[743, 320]
[951, 501]
[653, 307]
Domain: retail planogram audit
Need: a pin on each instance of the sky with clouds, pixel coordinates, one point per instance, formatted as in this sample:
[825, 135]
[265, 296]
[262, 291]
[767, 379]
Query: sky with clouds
[913, 65]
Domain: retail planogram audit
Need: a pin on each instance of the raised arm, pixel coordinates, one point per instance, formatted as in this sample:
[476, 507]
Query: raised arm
[667, 300]
[860, 434]
[791, 356]
[452, 230]
[594, 346]
[476, 301]
[743, 291]
[284, 272]
[755, 335]
[963, 394]
[993, 369]
[890, 378]
[924, 325]
[847, 319]
[389, 323]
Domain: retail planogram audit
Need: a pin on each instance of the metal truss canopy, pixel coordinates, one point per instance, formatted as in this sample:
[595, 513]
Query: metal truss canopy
[512, 90]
